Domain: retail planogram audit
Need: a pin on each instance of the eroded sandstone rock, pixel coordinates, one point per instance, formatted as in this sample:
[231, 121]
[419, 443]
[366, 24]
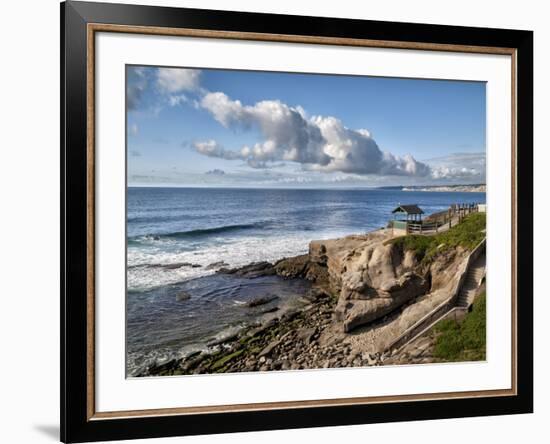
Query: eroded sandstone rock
[372, 277]
[353, 312]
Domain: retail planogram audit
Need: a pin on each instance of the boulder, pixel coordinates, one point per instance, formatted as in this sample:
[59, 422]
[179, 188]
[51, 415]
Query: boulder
[315, 294]
[292, 267]
[253, 270]
[267, 350]
[370, 276]
[355, 311]
[306, 334]
[262, 300]
[183, 296]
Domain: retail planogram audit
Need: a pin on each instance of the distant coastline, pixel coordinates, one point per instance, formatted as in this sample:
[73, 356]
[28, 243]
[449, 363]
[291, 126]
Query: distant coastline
[473, 188]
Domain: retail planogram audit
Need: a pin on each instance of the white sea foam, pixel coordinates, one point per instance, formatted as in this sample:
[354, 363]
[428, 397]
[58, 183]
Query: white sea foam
[146, 271]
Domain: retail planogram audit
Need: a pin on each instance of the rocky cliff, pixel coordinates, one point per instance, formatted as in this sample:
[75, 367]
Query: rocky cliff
[370, 277]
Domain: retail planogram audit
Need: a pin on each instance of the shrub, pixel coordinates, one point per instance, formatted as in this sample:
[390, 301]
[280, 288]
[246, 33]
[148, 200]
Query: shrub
[467, 234]
[464, 341]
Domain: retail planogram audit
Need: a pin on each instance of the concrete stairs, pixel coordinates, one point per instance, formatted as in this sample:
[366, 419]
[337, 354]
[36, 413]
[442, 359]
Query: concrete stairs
[471, 283]
[455, 305]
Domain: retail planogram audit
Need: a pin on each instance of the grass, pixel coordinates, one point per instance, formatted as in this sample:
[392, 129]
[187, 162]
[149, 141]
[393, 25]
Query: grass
[462, 341]
[467, 234]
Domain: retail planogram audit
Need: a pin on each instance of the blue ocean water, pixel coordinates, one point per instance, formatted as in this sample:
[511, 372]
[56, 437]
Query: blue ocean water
[178, 237]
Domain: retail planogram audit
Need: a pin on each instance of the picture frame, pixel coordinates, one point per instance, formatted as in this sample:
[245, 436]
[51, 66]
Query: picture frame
[81, 23]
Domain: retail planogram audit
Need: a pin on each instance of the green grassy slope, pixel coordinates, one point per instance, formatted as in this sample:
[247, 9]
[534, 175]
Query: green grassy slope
[467, 234]
[463, 341]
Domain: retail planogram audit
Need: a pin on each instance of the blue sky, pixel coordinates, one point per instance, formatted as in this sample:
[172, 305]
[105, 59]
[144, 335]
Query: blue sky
[196, 127]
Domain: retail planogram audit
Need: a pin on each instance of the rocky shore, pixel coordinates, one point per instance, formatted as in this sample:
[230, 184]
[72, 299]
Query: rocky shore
[291, 342]
[366, 291]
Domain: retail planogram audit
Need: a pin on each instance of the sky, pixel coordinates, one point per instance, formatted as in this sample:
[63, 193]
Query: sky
[230, 128]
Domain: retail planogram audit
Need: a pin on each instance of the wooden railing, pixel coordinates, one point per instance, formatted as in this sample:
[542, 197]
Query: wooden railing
[436, 222]
[426, 227]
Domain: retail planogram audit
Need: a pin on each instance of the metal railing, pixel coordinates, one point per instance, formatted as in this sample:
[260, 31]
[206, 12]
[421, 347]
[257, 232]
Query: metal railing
[442, 309]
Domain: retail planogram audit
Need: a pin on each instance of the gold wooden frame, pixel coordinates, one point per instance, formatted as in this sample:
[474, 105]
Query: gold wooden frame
[92, 29]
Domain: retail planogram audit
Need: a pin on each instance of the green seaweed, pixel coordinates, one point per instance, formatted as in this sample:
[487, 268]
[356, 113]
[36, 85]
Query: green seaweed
[224, 360]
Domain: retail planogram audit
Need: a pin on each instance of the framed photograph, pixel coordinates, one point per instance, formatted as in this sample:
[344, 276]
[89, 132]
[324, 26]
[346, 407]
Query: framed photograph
[275, 221]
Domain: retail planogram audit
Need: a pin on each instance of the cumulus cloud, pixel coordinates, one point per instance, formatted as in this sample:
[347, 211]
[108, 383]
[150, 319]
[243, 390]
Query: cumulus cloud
[211, 148]
[317, 143]
[171, 83]
[321, 144]
[177, 80]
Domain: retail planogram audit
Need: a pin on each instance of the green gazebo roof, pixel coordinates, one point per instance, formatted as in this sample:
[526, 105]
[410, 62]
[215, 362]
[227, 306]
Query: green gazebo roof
[408, 209]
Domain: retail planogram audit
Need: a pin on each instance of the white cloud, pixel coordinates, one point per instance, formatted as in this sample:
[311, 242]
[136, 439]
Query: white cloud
[459, 166]
[133, 129]
[317, 143]
[177, 80]
[226, 111]
[177, 100]
[453, 173]
[211, 148]
[320, 144]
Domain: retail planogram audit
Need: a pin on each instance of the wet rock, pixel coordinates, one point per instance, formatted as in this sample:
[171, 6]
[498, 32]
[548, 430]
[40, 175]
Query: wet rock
[193, 354]
[292, 267]
[267, 350]
[270, 310]
[290, 315]
[215, 265]
[176, 266]
[183, 296]
[262, 300]
[165, 368]
[253, 270]
[315, 294]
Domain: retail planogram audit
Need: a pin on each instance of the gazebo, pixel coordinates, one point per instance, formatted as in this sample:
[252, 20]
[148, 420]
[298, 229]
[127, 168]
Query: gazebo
[413, 213]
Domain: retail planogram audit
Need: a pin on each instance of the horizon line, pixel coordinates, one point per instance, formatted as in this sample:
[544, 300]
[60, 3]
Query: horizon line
[305, 187]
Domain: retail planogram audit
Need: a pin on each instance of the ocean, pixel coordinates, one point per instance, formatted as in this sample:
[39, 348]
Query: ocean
[178, 237]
